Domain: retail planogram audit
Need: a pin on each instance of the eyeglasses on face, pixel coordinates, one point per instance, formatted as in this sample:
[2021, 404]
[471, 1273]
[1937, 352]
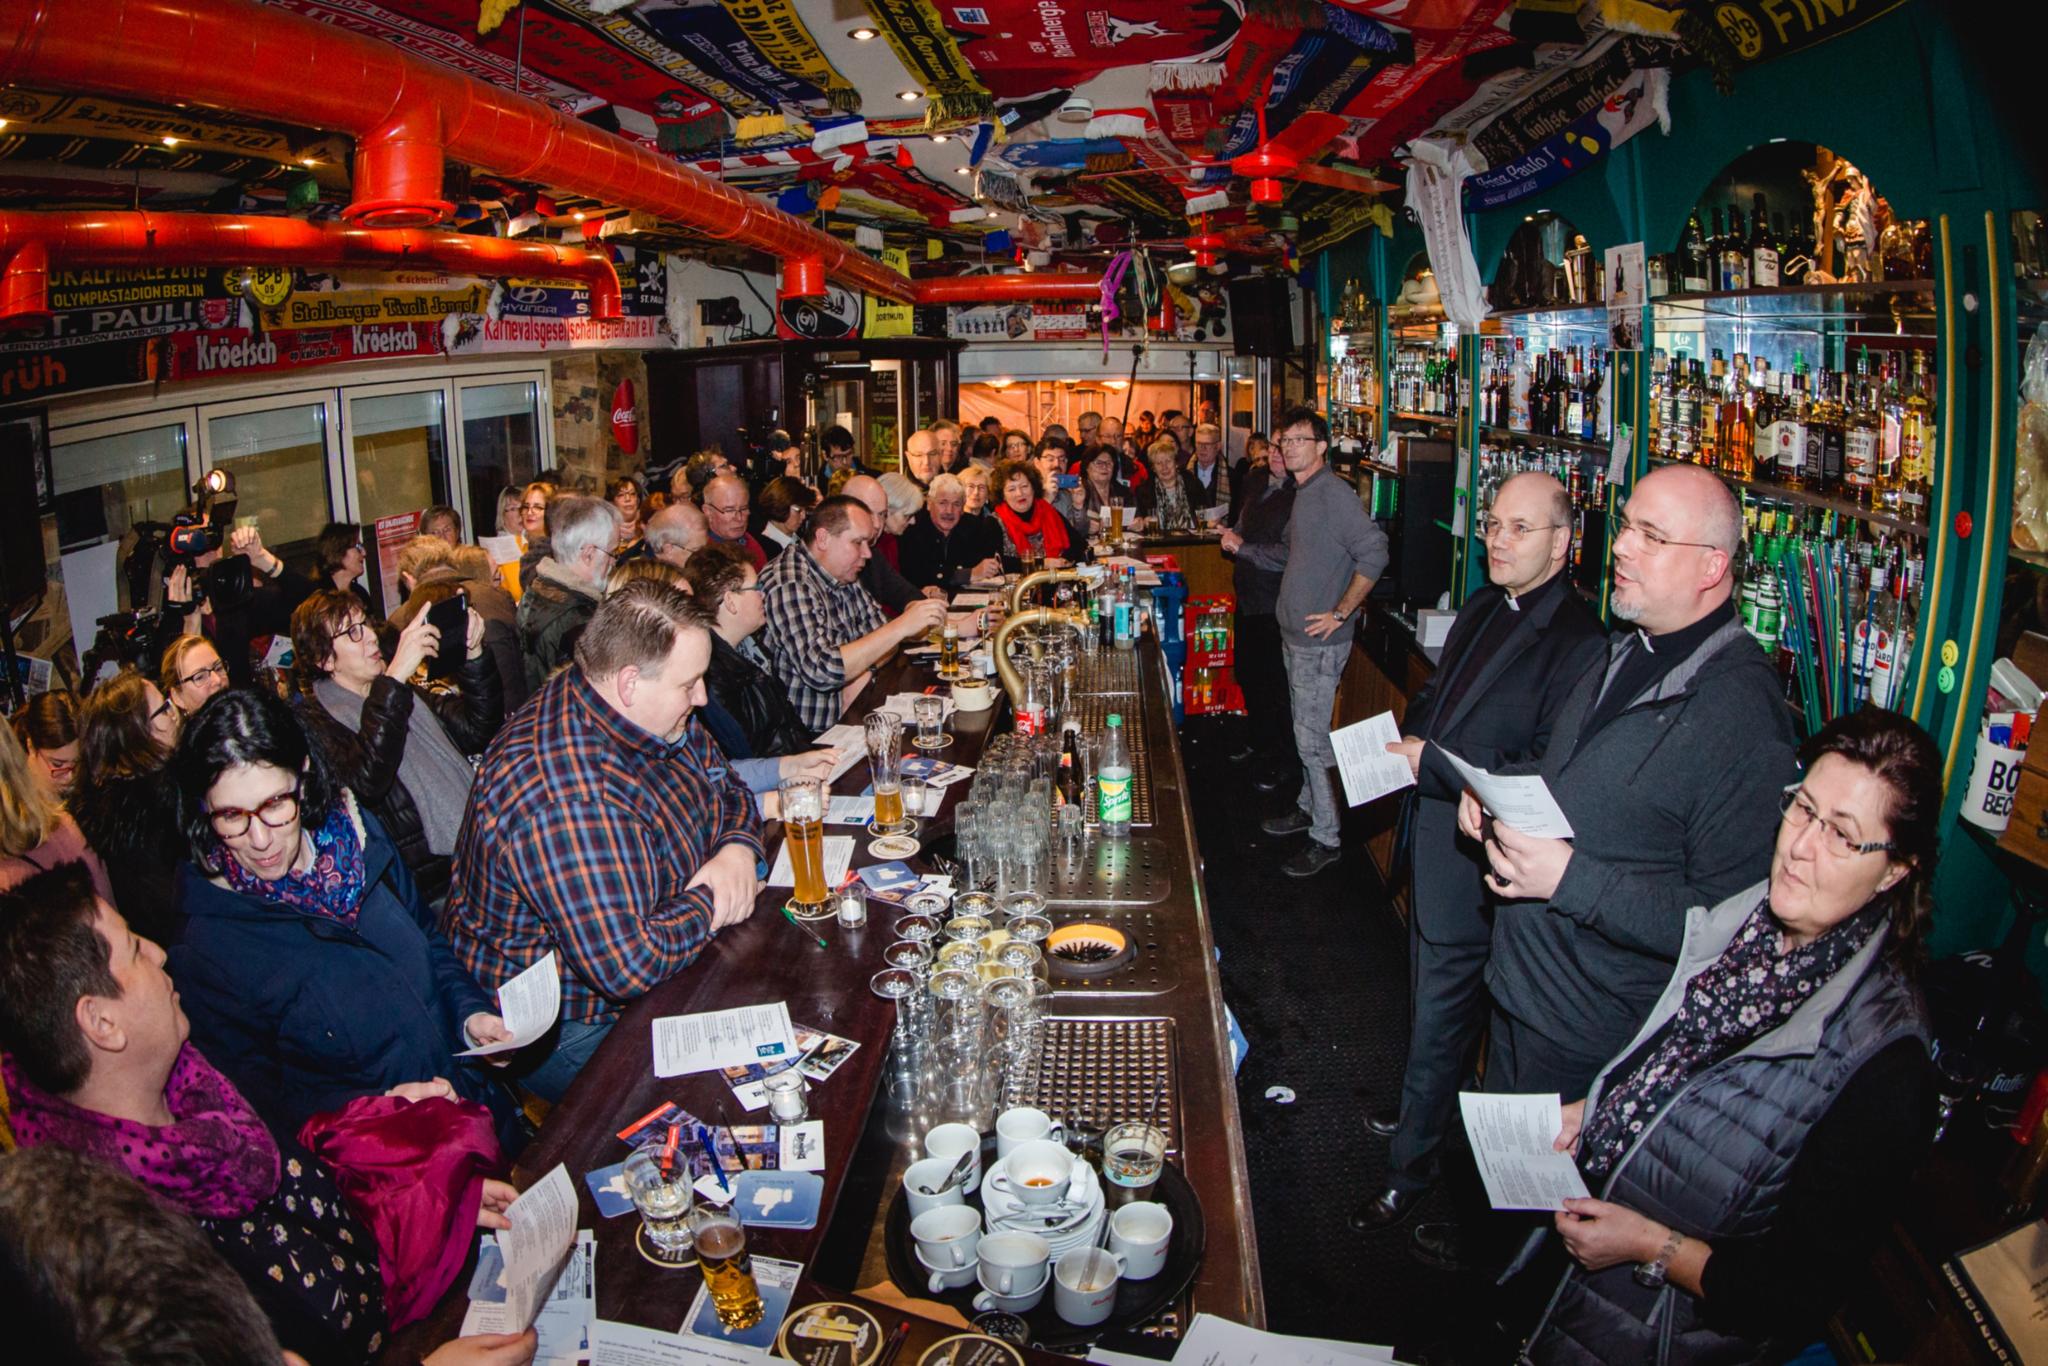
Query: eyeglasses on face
[277, 812]
[728, 509]
[217, 669]
[163, 709]
[1492, 527]
[533, 507]
[354, 630]
[1298, 440]
[1800, 812]
[58, 767]
[1655, 543]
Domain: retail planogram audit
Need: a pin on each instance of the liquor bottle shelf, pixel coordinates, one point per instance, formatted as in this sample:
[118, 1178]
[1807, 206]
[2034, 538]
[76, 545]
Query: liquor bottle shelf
[1803, 302]
[1589, 314]
[1571, 443]
[2033, 559]
[1437, 419]
[1847, 507]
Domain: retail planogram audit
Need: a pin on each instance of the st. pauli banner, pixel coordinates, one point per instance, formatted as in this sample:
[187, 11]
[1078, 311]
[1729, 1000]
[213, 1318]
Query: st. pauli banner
[126, 305]
[1402, 102]
[471, 335]
[1762, 30]
[918, 37]
[450, 44]
[240, 351]
[1641, 102]
[887, 317]
[834, 316]
[706, 36]
[361, 307]
[774, 27]
[1020, 48]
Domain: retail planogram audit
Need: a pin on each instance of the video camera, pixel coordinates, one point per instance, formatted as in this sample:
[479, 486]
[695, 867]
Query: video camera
[139, 637]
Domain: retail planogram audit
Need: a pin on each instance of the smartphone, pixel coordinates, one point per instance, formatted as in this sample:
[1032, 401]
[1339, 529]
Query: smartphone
[1066, 481]
[451, 618]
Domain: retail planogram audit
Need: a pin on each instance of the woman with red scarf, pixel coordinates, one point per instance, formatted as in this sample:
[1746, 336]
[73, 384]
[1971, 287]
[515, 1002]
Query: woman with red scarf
[1036, 532]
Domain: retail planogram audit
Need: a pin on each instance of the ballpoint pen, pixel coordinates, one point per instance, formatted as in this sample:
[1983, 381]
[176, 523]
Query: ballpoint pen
[790, 916]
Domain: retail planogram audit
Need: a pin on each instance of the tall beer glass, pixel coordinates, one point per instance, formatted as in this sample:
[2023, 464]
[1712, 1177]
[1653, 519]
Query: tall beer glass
[803, 829]
[885, 760]
[728, 1270]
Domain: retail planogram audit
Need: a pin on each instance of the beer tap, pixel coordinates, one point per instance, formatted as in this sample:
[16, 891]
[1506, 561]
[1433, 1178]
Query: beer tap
[1075, 621]
[1091, 575]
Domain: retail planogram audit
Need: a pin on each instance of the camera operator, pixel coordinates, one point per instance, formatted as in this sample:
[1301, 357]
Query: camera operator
[400, 747]
[234, 595]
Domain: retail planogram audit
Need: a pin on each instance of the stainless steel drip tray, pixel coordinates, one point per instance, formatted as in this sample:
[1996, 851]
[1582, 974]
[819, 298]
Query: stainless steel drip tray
[1107, 872]
[1093, 1073]
[1158, 945]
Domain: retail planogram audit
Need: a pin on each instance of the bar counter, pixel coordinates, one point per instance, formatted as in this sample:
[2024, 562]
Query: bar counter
[767, 959]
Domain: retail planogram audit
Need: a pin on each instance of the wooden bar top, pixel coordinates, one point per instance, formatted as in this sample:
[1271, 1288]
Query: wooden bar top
[767, 959]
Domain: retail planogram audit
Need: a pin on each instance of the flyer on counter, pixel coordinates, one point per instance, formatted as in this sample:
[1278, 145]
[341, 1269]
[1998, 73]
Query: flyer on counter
[823, 1053]
[711, 1040]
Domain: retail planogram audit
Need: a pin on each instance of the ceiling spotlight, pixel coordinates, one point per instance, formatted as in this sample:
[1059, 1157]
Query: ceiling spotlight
[309, 161]
[963, 170]
[910, 96]
[990, 214]
[862, 35]
[170, 142]
[936, 137]
[3, 123]
[578, 215]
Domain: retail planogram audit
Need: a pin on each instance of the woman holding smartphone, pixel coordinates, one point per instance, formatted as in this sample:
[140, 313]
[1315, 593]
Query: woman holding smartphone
[401, 745]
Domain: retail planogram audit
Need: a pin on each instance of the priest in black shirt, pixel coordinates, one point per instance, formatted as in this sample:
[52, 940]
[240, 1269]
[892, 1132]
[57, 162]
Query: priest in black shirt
[1513, 655]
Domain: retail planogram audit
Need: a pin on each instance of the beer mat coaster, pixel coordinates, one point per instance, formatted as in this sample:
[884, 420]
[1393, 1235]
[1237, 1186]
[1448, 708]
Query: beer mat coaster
[831, 1333]
[608, 1189]
[674, 1261]
[891, 847]
[971, 1349]
[945, 738]
[778, 1199]
[1006, 1327]
[775, 1279]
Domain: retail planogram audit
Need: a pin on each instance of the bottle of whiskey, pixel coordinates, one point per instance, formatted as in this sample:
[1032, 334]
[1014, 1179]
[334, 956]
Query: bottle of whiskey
[1692, 253]
[1734, 253]
[1916, 441]
[1763, 250]
[1788, 429]
[1860, 436]
[1825, 426]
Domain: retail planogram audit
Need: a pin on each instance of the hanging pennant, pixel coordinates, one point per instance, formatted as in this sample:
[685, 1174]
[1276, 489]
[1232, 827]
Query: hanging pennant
[1641, 101]
[625, 29]
[778, 31]
[918, 37]
[1750, 31]
[1020, 48]
[707, 37]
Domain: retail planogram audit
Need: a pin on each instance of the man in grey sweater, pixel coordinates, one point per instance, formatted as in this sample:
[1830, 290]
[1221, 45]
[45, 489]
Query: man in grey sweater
[1334, 554]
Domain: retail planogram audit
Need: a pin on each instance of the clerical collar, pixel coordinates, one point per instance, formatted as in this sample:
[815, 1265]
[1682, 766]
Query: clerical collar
[1549, 585]
[1682, 642]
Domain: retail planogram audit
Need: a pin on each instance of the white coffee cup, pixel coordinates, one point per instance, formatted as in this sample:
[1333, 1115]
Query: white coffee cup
[951, 1140]
[1037, 1172]
[920, 1176]
[1141, 1233]
[948, 1277]
[946, 1237]
[1022, 1301]
[1084, 1283]
[1023, 1124]
[1013, 1262]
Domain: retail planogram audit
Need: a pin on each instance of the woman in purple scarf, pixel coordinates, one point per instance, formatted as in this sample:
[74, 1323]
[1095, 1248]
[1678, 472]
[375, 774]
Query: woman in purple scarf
[97, 1061]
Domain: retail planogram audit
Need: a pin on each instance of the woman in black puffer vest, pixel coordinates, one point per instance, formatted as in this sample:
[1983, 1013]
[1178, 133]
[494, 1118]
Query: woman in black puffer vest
[404, 749]
[126, 728]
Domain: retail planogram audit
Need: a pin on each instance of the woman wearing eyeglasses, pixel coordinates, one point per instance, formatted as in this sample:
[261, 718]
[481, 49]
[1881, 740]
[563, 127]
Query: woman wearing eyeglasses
[192, 671]
[126, 728]
[48, 729]
[400, 745]
[36, 832]
[1746, 1144]
[311, 970]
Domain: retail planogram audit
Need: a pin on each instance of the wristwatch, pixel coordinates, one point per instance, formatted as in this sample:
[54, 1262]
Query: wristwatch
[1653, 1273]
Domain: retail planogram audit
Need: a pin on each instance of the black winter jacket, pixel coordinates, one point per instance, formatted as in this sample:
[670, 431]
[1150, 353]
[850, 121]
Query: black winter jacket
[757, 701]
[551, 617]
[366, 762]
[132, 824]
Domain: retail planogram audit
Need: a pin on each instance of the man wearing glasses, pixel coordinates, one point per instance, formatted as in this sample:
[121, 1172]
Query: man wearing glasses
[1513, 655]
[726, 503]
[1668, 760]
[583, 539]
[1333, 555]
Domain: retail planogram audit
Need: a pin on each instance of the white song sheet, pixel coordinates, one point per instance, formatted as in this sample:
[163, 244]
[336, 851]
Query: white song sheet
[715, 1039]
[1522, 802]
[852, 744]
[1368, 771]
[838, 858]
[528, 1004]
[1512, 1138]
[535, 1248]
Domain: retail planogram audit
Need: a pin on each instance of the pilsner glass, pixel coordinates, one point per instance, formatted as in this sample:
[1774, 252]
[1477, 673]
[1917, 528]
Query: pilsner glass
[885, 758]
[803, 829]
[728, 1270]
[1116, 521]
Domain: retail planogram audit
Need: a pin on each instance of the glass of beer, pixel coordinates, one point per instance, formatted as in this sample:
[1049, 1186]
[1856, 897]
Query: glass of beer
[949, 650]
[885, 761]
[1116, 522]
[803, 829]
[728, 1270]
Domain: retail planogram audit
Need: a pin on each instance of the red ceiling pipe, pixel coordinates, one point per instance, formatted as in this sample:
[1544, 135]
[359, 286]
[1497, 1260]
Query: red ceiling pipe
[966, 289]
[267, 63]
[25, 286]
[398, 172]
[33, 241]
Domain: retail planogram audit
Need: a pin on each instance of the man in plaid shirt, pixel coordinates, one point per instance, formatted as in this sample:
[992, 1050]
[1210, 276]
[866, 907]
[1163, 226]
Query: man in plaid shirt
[605, 825]
[824, 631]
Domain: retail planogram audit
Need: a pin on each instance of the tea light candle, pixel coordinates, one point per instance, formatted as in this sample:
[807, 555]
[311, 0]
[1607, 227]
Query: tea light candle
[853, 906]
[786, 1104]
